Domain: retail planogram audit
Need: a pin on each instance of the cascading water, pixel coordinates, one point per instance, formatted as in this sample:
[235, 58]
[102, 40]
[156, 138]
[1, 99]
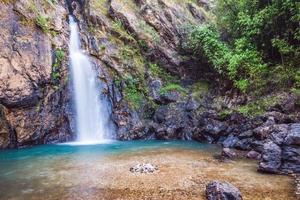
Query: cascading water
[92, 114]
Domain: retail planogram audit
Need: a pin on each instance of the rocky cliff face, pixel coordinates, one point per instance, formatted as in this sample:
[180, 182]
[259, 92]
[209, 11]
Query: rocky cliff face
[33, 107]
[122, 37]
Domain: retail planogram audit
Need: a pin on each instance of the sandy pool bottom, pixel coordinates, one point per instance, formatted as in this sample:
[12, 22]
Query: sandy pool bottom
[183, 174]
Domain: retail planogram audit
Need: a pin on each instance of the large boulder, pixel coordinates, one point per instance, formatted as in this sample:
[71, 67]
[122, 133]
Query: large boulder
[217, 190]
[293, 137]
[271, 158]
[291, 159]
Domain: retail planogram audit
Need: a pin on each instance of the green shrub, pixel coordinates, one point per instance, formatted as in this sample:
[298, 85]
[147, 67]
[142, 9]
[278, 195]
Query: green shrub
[43, 22]
[262, 37]
[133, 93]
[59, 56]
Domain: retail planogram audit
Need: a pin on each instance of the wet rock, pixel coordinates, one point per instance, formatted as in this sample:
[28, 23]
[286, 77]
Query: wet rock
[214, 127]
[258, 145]
[174, 122]
[279, 133]
[290, 159]
[191, 105]
[244, 144]
[281, 118]
[170, 97]
[246, 134]
[155, 86]
[217, 190]
[254, 155]
[144, 168]
[5, 132]
[230, 141]
[228, 153]
[271, 158]
[129, 124]
[293, 137]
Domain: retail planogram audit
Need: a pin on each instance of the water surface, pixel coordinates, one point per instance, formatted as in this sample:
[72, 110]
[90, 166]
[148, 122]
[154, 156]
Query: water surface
[102, 172]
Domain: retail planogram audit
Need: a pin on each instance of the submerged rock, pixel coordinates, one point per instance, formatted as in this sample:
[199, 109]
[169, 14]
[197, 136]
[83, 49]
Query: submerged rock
[228, 153]
[253, 155]
[217, 190]
[144, 168]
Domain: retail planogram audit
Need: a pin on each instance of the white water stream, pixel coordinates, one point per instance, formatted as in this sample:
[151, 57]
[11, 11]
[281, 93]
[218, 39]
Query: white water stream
[92, 116]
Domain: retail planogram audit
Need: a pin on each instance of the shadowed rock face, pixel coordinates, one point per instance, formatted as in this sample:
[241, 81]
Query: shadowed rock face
[33, 111]
[25, 61]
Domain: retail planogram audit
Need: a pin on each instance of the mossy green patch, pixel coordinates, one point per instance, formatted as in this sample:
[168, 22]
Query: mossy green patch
[199, 89]
[258, 107]
[172, 87]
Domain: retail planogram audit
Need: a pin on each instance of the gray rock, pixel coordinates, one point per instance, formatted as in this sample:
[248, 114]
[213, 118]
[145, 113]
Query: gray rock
[246, 134]
[170, 97]
[293, 137]
[253, 155]
[230, 141]
[155, 87]
[271, 158]
[244, 144]
[228, 153]
[290, 159]
[279, 133]
[217, 190]
[144, 168]
[214, 127]
[191, 105]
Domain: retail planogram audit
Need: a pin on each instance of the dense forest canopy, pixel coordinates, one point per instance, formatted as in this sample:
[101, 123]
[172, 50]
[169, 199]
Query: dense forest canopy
[253, 43]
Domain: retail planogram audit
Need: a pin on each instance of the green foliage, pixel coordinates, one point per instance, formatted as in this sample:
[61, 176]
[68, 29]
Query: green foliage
[258, 107]
[42, 22]
[133, 94]
[158, 71]
[240, 62]
[262, 38]
[143, 45]
[225, 113]
[172, 87]
[119, 28]
[59, 56]
[199, 89]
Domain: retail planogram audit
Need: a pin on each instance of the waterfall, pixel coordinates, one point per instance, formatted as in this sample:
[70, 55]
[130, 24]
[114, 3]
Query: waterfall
[92, 113]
